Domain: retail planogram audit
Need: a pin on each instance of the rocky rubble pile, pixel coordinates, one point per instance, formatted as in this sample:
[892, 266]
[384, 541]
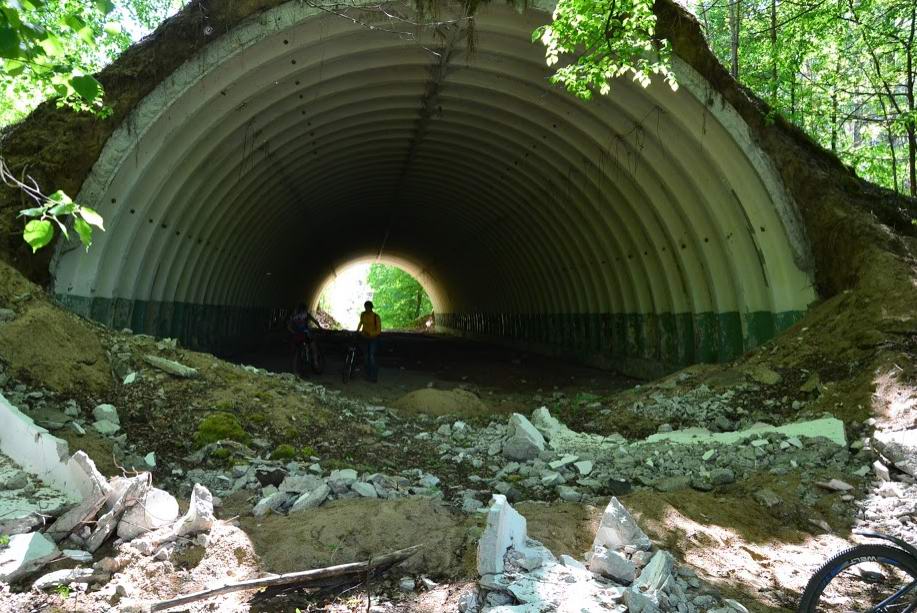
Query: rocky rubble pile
[621, 573]
[542, 458]
[127, 507]
[892, 507]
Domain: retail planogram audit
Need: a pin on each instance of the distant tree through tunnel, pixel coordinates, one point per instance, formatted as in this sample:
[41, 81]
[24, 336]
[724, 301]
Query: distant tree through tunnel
[643, 230]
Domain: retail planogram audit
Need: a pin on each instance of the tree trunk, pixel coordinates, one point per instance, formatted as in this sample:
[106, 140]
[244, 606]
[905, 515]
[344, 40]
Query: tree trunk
[911, 125]
[774, 72]
[735, 17]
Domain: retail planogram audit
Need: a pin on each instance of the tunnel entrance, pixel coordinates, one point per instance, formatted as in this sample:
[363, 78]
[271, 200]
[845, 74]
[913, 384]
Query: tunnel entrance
[398, 297]
[641, 231]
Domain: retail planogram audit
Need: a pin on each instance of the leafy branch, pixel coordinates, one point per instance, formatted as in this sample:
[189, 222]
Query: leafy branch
[50, 211]
[606, 40]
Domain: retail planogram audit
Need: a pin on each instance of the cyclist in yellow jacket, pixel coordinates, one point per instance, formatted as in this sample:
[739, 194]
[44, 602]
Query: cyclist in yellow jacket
[370, 328]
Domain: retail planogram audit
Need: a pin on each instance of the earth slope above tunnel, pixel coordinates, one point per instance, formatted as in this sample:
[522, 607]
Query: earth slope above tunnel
[646, 226]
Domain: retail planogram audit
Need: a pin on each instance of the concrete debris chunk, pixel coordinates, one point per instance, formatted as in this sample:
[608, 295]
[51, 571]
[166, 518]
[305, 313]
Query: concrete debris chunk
[171, 367]
[77, 555]
[899, 448]
[311, 500]
[299, 484]
[612, 565]
[131, 490]
[505, 528]
[154, 510]
[199, 517]
[106, 412]
[549, 426]
[65, 576]
[105, 427]
[525, 441]
[24, 554]
[272, 502]
[619, 529]
[835, 485]
[656, 573]
[365, 490]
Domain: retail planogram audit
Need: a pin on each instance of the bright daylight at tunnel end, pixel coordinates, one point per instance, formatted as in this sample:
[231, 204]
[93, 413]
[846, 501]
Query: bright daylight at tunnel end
[376, 292]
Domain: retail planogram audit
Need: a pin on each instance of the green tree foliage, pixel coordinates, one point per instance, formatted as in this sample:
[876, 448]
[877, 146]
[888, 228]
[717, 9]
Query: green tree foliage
[843, 70]
[50, 50]
[397, 296]
[603, 40]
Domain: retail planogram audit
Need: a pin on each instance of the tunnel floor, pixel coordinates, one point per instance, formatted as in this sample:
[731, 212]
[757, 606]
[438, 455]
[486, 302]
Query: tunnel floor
[506, 380]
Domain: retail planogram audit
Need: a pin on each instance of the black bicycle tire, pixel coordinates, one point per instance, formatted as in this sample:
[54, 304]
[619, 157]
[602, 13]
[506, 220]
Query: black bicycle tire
[884, 554]
[317, 363]
[348, 367]
[298, 368]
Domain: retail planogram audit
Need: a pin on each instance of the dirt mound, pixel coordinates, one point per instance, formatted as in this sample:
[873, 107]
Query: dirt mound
[353, 530]
[442, 402]
[56, 350]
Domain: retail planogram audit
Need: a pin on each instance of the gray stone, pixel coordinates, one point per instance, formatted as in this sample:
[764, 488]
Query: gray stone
[722, 476]
[612, 565]
[505, 528]
[406, 584]
[656, 573]
[346, 475]
[549, 426]
[619, 529]
[156, 509]
[525, 441]
[767, 497]
[638, 602]
[106, 412]
[299, 484]
[105, 427]
[199, 517]
[24, 554]
[270, 503]
[77, 555]
[171, 367]
[365, 490]
[672, 484]
[565, 492]
[881, 471]
[311, 500]
[62, 577]
[7, 315]
[899, 448]
[12, 478]
[583, 466]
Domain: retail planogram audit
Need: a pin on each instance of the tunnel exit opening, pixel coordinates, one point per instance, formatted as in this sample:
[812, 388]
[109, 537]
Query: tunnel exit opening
[398, 297]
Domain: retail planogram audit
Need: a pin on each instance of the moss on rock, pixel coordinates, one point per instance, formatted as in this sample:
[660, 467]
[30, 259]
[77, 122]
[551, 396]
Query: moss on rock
[217, 427]
[283, 452]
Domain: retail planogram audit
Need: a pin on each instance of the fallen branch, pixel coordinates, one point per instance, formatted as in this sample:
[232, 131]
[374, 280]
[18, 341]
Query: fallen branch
[303, 579]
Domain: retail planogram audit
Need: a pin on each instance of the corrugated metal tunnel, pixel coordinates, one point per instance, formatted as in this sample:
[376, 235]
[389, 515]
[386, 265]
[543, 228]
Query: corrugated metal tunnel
[644, 229]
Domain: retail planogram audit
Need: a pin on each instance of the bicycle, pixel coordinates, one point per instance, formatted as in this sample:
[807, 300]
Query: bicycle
[350, 361]
[873, 578]
[307, 352]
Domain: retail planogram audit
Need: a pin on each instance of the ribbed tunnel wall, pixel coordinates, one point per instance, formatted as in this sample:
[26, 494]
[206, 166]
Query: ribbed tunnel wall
[643, 229]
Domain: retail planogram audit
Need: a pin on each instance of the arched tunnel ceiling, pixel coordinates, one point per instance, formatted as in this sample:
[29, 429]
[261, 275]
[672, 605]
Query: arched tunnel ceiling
[300, 141]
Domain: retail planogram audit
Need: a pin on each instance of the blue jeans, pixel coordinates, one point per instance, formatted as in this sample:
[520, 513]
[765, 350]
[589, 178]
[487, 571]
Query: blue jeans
[372, 368]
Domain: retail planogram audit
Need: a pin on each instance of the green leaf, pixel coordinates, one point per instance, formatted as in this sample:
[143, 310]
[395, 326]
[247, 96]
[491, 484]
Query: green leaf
[64, 208]
[9, 43]
[38, 233]
[85, 231]
[87, 87]
[91, 217]
[35, 212]
[60, 196]
[104, 6]
[113, 28]
[52, 46]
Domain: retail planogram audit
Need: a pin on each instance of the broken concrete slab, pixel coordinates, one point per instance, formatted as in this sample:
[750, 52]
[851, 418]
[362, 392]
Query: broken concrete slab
[525, 441]
[827, 427]
[199, 517]
[156, 509]
[612, 565]
[132, 490]
[64, 576]
[619, 529]
[505, 528]
[311, 499]
[171, 367]
[25, 553]
[899, 448]
[106, 412]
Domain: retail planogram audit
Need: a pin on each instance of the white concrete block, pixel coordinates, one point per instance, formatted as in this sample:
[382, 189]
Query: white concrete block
[505, 528]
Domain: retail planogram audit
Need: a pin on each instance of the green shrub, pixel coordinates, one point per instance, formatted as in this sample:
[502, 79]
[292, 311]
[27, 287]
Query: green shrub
[307, 452]
[217, 427]
[283, 452]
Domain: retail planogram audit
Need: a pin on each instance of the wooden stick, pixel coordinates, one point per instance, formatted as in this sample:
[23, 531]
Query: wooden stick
[306, 578]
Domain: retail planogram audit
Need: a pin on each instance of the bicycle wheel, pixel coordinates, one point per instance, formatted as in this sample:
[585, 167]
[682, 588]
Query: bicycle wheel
[864, 578]
[348, 366]
[299, 364]
[318, 361]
